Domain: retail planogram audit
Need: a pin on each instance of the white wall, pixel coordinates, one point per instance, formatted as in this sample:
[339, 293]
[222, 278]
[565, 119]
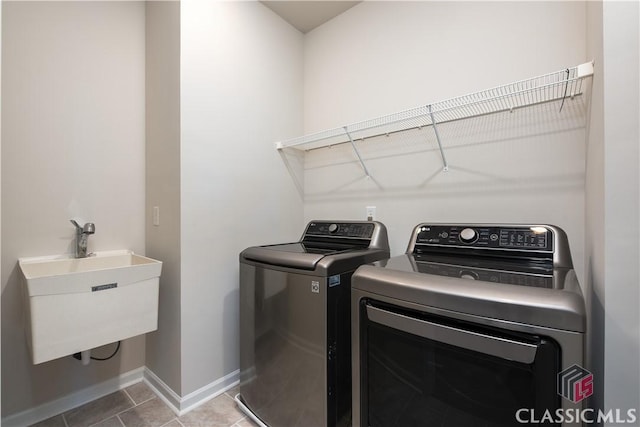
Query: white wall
[0, 186]
[72, 146]
[163, 182]
[241, 89]
[382, 57]
[595, 206]
[621, 46]
[612, 211]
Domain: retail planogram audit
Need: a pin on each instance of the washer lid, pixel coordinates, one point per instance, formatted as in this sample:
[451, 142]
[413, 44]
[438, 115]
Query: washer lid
[404, 279]
[299, 255]
[326, 247]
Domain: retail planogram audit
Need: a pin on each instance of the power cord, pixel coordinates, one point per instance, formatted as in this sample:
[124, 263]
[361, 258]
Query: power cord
[107, 358]
[100, 359]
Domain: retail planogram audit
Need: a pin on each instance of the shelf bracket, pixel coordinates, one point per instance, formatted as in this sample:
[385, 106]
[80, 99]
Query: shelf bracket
[355, 149]
[435, 130]
[566, 86]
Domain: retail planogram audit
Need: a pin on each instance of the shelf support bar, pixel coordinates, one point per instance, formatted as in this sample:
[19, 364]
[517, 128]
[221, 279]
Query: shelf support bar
[435, 129]
[566, 86]
[355, 149]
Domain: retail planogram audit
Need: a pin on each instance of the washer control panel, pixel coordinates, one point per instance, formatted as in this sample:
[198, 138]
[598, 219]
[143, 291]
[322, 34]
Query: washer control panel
[522, 238]
[361, 230]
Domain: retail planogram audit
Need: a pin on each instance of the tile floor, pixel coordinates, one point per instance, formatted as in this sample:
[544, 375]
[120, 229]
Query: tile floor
[138, 406]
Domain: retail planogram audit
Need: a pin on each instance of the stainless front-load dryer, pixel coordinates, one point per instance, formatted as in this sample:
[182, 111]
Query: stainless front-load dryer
[476, 325]
[295, 352]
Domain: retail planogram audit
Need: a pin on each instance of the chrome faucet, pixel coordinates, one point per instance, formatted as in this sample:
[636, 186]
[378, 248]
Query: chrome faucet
[82, 236]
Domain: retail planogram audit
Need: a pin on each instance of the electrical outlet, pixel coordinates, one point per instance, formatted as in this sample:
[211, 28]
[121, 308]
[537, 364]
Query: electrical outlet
[371, 213]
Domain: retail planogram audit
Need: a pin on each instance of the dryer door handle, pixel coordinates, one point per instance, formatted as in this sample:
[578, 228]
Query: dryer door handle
[495, 346]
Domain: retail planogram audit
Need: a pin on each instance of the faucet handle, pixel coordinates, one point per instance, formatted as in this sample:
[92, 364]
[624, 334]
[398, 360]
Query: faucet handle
[88, 228]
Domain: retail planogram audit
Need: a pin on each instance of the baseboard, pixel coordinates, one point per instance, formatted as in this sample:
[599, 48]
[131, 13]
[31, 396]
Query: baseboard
[162, 390]
[73, 400]
[208, 392]
[182, 405]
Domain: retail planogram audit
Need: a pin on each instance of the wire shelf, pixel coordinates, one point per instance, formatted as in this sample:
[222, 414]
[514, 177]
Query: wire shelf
[555, 86]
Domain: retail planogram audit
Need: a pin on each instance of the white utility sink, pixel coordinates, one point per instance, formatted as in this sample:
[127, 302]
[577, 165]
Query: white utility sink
[76, 304]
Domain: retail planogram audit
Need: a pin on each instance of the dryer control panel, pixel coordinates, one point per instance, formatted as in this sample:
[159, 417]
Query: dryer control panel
[519, 238]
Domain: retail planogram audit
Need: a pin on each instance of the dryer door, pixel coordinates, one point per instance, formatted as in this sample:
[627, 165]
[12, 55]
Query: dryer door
[422, 370]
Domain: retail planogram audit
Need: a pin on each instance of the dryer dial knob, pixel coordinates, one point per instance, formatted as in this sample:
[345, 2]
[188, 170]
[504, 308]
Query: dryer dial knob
[468, 235]
[333, 228]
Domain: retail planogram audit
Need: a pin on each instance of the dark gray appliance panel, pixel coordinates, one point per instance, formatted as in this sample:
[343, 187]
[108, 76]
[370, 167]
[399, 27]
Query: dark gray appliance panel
[283, 345]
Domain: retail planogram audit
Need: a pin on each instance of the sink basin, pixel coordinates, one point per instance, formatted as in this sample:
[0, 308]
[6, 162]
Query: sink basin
[75, 305]
[60, 275]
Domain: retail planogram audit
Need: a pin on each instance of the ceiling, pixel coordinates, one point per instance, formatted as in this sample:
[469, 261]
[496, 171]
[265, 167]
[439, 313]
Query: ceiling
[306, 15]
